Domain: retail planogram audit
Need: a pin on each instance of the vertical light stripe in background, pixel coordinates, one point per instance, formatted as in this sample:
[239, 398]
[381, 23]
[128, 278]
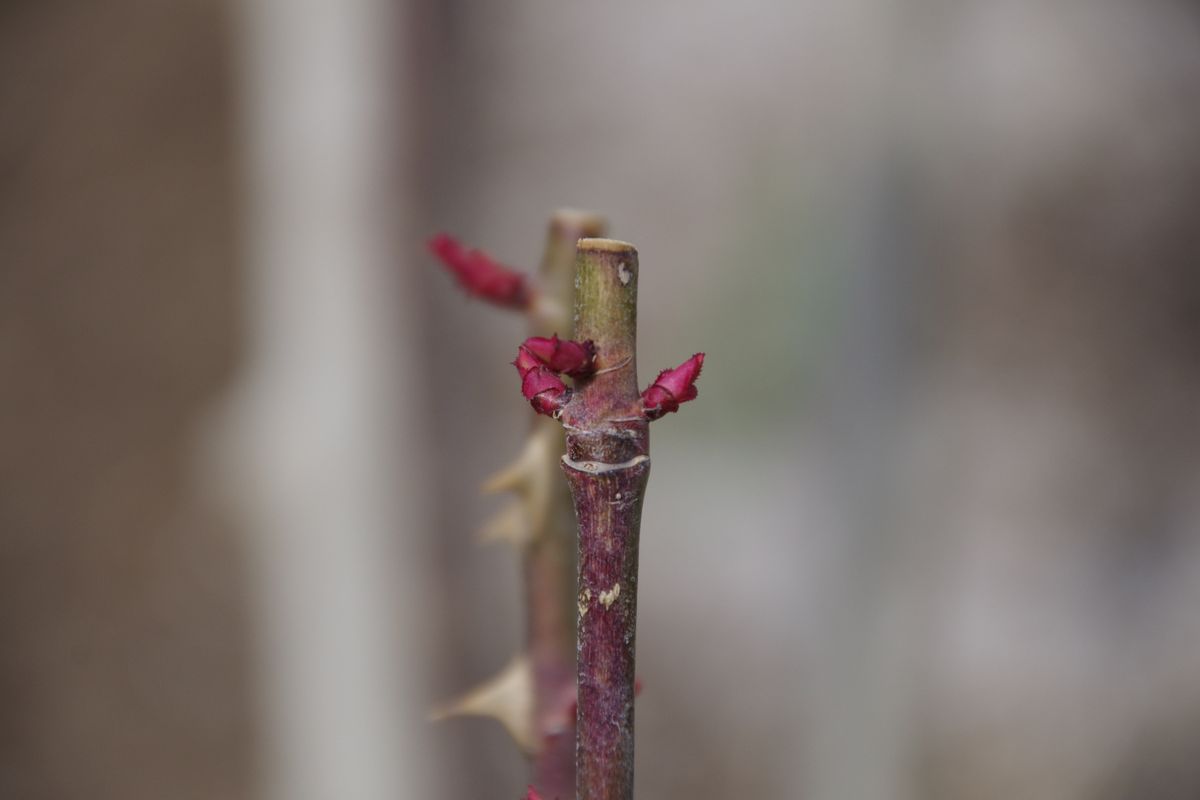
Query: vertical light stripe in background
[313, 434]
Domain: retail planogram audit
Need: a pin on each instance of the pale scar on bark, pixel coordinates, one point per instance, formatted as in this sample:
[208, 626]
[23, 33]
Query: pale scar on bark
[610, 597]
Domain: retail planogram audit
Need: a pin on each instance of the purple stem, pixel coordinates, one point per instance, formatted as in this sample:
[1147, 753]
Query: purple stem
[607, 466]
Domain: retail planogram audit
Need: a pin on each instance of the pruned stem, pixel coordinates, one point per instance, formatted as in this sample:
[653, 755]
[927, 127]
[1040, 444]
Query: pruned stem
[607, 466]
[549, 559]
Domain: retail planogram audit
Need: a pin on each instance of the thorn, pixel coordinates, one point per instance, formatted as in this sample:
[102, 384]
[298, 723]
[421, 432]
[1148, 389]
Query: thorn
[543, 448]
[508, 698]
[532, 477]
[510, 525]
[516, 476]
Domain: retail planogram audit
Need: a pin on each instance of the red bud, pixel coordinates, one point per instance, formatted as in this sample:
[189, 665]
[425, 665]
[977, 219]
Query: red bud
[672, 387]
[526, 360]
[544, 390]
[480, 274]
[540, 359]
[576, 359]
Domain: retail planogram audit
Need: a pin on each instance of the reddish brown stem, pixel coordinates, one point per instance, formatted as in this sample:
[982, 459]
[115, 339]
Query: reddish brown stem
[535, 696]
[550, 556]
[607, 466]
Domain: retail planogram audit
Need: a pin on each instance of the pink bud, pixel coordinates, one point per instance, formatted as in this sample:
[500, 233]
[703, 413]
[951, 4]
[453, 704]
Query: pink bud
[480, 274]
[526, 360]
[532, 794]
[576, 359]
[544, 390]
[672, 387]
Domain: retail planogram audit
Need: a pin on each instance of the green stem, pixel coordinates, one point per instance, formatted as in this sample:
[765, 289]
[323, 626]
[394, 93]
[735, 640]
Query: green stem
[607, 466]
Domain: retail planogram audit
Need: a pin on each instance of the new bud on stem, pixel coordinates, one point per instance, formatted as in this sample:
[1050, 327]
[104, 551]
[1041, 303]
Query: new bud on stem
[481, 275]
[576, 359]
[539, 360]
[544, 390]
[672, 387]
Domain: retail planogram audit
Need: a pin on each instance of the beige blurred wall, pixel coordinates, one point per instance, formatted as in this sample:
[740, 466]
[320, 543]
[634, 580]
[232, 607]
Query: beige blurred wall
[123, 631]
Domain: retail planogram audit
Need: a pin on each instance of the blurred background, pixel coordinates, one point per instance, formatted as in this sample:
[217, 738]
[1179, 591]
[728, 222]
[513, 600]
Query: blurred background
[931, 530]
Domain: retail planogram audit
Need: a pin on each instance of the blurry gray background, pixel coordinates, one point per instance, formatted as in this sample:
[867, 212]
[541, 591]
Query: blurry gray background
[932, 529]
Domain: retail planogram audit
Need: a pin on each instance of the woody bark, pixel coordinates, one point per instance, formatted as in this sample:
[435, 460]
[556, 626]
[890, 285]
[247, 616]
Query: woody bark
[549, 560]
[607, 466]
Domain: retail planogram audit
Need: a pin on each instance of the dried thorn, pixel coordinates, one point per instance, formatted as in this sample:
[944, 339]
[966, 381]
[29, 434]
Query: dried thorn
[531, 477]
[510, 525]
[517, 475]
[508, 698]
